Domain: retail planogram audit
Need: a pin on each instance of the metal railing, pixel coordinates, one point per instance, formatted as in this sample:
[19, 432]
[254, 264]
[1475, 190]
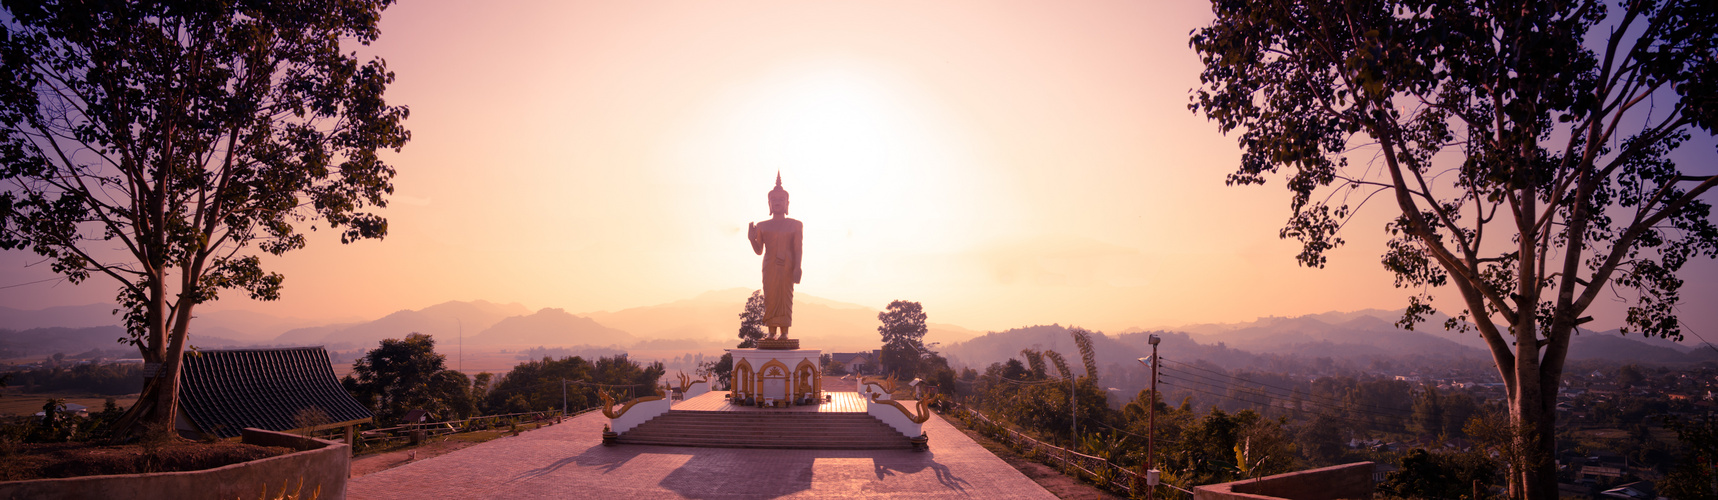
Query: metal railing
[437, 429]
[1099, 471]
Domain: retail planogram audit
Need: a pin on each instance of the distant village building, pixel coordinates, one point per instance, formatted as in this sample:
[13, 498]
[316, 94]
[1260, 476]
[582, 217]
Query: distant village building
[858, 362]
[69, 409]
[291, 389]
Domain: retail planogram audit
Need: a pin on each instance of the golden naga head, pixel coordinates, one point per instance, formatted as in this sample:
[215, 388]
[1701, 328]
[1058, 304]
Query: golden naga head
[923, 414]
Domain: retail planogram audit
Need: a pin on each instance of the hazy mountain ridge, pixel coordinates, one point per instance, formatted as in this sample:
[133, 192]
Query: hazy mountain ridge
[1358, 335]
[84, 316]
[715, 317]
[710, 320]
[551, 327]
[43, 342]
[445, 321]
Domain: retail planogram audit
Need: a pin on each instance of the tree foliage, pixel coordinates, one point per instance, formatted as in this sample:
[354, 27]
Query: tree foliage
[1438, 475]
[903, 332]
[1526, 148]
[752, 320]
[406, 374]
[156, 143]
[537, 385]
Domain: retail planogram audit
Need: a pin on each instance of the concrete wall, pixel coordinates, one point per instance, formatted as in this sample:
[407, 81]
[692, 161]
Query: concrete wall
[639, 414]
[1348, 481]
[320, 464]
[891, 415]
[696, 388]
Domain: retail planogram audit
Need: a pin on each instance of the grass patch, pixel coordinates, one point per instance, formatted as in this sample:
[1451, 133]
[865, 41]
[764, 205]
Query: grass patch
[56, 460]
[393, 445]
[14, 401]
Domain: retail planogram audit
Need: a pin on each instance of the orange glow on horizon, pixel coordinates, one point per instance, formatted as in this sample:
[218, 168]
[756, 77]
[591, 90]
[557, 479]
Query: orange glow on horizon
[1004, 164]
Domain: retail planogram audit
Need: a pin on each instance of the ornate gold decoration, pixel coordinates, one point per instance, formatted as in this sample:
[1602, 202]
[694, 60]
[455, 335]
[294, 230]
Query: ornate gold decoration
[608, 404]
[778, 344]
[887, 383]
[744, 381]
[686, 382]
[924, 412]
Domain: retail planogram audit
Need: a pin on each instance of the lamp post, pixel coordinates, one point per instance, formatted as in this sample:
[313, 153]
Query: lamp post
[1150, 471]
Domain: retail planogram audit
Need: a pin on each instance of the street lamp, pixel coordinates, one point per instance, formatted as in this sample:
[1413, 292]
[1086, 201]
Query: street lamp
[1151, 473]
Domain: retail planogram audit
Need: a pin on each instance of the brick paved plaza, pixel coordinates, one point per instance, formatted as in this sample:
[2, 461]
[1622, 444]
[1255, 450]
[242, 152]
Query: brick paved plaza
[569, 461]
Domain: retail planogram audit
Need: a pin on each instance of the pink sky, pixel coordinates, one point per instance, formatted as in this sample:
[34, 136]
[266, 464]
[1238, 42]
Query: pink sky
[1004, 163]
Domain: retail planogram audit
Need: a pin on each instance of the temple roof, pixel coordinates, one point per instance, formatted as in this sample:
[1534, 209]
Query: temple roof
[228, 390]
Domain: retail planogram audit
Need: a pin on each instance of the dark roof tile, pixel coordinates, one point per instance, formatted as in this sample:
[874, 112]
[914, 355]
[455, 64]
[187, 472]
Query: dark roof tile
[228, 390]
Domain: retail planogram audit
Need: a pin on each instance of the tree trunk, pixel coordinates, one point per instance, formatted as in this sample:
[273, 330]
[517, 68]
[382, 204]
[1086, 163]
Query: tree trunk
[1532, 421]
[157, 407]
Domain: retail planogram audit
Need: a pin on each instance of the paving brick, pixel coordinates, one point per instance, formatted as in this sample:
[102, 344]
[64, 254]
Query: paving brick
[569, 461]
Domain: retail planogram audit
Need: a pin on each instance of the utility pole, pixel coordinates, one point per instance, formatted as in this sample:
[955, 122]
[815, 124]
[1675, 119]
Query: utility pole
[1074, 404]
[1150, 471]
[564, 397]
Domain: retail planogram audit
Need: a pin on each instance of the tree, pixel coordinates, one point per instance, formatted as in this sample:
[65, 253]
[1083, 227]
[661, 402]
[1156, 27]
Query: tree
[156, 142]
[752, 321]
[406, 374]
[903, 332]
[1694, 476]
[537, 385]
[1427, 474]
[720, 368]
[1529, 170]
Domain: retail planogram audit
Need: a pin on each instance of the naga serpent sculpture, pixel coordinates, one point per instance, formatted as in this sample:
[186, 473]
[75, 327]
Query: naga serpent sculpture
[686, 382]
[923, 414]
[608, 404]
[887, 384]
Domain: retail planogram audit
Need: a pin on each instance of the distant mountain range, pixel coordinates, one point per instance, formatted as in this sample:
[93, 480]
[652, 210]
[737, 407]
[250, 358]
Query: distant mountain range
[702, 323]
[445, 321]
[710, 321]
[1359, 335]
[832, 326]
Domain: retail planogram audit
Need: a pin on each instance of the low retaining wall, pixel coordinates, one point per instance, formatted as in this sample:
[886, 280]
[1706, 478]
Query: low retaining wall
[321, 465]
[1347, 481]
[639, 414]
[891, 415]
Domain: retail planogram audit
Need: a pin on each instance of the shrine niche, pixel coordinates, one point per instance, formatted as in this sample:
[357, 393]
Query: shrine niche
[744, 384]
[772, 381]
[777, 378]
[806, 381]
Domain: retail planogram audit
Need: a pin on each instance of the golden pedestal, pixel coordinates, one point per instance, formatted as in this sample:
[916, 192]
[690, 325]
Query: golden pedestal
[778, 344]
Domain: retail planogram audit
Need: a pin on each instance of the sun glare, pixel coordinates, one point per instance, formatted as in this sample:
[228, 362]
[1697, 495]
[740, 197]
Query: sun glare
[875, 166]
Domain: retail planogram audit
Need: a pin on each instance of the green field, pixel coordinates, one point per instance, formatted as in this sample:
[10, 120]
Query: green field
[14, 402]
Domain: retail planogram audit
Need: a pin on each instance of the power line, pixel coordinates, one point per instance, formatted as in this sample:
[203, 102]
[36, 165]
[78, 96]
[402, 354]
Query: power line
[1031, 383]
[1374, 425]
[1362, 423]
[32, 283]
[1290, 392]
[1330, 408]
[1339, 406]
[1118, 429]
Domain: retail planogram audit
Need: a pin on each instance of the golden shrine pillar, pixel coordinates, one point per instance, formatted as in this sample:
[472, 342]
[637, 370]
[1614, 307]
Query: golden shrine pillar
[776, 377]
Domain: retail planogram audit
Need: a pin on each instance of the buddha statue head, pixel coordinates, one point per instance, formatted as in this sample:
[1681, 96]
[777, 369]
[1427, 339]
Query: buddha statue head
[778, 198]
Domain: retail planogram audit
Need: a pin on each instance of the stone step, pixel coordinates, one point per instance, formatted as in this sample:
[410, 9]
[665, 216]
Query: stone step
[784, 427]
[786, 415]
[708, 432]
[784, 430]
[900, 444]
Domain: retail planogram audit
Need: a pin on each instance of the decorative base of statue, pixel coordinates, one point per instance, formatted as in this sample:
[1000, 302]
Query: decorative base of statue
[778, 344]
[777, 377]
